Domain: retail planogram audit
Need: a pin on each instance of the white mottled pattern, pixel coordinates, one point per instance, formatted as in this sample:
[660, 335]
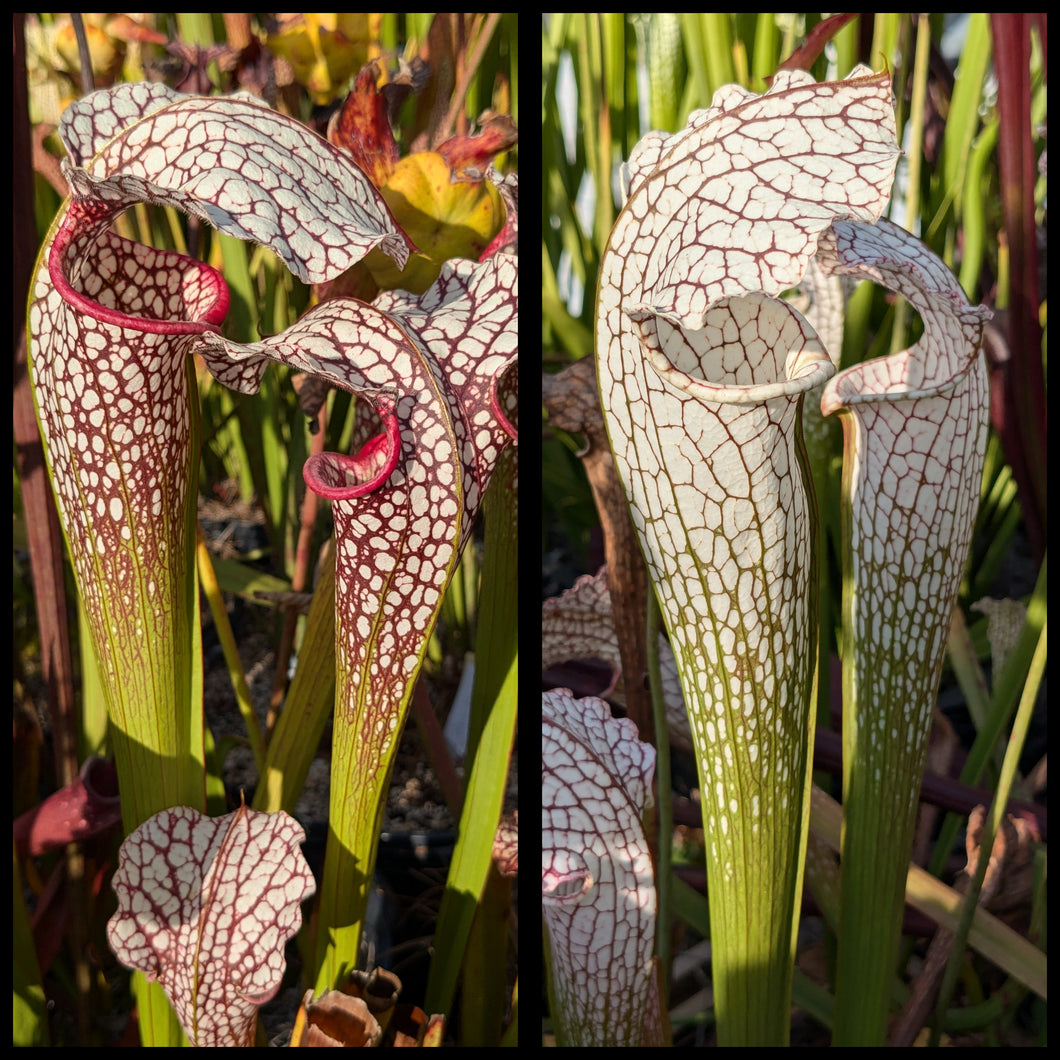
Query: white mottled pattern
[112, 323]
[436, 370]
[467, 325]
[702, 370]
[915, 425]
[597, 883]
[577, 624]
[399, 543]
[247, 170]
[206, 906]
[113, 409]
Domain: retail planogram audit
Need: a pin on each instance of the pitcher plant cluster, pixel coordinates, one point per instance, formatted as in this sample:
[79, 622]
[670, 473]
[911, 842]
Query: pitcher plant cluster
[718, 327]
[115, 328]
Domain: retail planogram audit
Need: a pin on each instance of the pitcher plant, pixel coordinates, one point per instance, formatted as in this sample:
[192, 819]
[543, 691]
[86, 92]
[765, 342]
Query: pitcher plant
[702, 372]
[915, 428]
[113, 328]
[707, 366]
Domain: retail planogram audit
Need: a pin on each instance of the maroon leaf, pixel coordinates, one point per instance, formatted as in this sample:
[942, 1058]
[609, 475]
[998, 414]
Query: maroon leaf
[804, 56]
[1019, 416]
[86, 807]
[362, 127]
[478, 151]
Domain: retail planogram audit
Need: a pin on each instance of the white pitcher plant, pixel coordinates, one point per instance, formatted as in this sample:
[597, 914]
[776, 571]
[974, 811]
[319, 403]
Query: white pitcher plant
[704, 371]
[597, 882]
[112, 327]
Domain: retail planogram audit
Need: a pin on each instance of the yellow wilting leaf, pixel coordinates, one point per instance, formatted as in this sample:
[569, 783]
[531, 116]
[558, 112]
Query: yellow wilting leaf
[445, 219]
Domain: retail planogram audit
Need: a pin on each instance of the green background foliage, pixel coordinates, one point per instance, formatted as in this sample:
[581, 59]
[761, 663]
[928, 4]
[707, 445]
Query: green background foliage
[971, 112]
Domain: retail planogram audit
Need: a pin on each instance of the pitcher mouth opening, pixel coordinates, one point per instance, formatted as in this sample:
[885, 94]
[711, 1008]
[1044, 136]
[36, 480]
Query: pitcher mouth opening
[366, 470]
[793, 363]
[213, 294]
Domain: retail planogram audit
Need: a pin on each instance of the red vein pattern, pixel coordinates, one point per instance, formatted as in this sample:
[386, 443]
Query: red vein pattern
[111, 324]
[248, 171]
[398, 546]
[915, 426]
[597, 883]
[435, 359]
[577, 624]
[439, 371]
[702, 374]
[205, 906]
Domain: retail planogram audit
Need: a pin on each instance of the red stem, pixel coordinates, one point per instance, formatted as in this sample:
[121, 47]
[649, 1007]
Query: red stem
[1020, 416]
[299, 581]
[437, 750]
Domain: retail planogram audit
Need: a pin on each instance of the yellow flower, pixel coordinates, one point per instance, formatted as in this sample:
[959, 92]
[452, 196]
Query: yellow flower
[325, 50]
